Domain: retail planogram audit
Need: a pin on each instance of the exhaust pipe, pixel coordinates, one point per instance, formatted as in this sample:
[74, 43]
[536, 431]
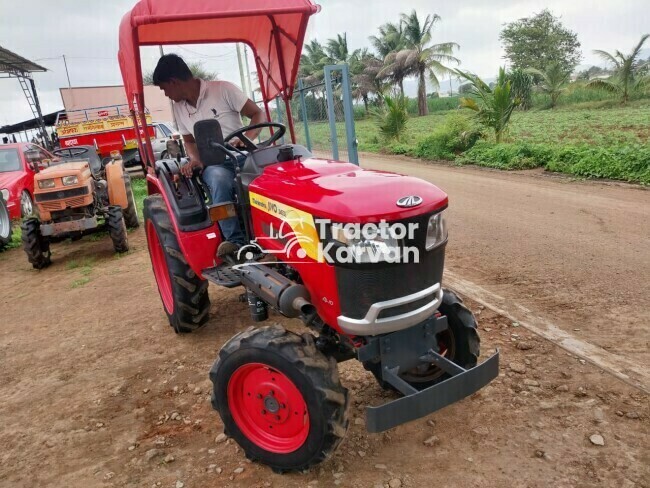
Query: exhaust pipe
[290, 298]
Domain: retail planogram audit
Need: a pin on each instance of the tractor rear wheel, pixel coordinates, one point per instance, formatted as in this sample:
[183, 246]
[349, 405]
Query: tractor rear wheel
[183, 293]
[5, 225]
[35, 245]
[279, 398]
[460, 344]
[117, 229]
[131, 212]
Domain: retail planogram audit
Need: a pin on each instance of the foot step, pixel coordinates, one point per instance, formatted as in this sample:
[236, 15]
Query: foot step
[222, 275]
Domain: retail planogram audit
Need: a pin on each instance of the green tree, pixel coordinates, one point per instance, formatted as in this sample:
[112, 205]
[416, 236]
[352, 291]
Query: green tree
[630, 73]
[522, 87]
[197, 69]
[424, 59]
[553, 80]
[390, 39]
[337, 49]
[493, 106]
[365, 68]
[312, 62]
[392, 119]
[540, 40]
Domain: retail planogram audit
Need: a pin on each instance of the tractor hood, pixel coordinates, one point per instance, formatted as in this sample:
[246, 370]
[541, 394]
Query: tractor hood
[344, 192]
[64, 169]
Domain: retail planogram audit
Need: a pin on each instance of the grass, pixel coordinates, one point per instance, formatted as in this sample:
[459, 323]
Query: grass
[80, 282]
[577, 139]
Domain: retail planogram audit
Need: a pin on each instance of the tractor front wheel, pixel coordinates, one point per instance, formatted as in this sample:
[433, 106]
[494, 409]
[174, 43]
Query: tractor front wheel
[279, 398]
[117, 229]
[183, 293]
[5, 225]
[130, 212]
[35, 245]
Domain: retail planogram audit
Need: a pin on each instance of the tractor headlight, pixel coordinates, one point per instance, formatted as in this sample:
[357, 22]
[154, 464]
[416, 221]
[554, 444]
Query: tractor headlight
[69, 180]
[365, 243]
[5, 194]
[436, 230]
[43, 184]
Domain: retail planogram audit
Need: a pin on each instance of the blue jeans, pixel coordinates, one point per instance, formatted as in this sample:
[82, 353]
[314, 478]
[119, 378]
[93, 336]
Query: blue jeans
[220, 179]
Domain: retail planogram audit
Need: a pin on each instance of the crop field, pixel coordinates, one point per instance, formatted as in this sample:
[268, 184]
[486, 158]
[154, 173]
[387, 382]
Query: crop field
[587, 142]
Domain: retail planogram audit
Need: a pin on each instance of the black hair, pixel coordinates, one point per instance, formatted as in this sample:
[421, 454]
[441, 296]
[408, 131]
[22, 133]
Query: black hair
[171, 66]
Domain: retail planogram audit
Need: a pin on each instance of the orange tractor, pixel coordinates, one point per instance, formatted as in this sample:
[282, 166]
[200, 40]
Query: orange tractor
[75, 196]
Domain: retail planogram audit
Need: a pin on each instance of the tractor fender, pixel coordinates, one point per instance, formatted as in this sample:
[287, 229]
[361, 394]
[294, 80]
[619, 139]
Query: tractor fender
[116, 187]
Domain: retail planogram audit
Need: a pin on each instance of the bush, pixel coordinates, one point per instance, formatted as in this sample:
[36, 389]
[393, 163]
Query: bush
[393, 118]
[456, 134]
[629, 162]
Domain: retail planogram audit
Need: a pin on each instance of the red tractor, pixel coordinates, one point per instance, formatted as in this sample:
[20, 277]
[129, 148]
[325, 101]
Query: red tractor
[357, 255]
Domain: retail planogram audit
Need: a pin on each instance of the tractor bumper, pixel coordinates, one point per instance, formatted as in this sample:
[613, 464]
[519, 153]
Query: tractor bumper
[424, 402]
[79, 225]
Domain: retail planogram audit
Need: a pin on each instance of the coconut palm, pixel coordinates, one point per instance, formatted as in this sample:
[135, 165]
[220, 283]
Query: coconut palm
[365, 68]
[312, 62]
[419, 57]
[337, 49]
[628, 71]
[553, 80]
[390, 39]
[493, 106]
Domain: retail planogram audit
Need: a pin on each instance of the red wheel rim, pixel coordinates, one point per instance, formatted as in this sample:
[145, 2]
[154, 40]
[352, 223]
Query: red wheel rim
[268, 408]
[159, 265]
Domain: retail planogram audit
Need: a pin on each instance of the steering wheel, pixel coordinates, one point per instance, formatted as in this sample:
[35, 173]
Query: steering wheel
[250, 145]
[71, 152]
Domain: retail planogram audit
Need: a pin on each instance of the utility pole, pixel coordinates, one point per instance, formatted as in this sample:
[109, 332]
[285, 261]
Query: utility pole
[241, 68]
[248, 74]
[65, 63]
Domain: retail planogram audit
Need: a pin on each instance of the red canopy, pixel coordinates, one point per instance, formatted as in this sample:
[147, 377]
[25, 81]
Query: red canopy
[274, 30]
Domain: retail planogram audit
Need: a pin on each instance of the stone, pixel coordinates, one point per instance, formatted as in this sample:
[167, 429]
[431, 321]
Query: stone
[525, 346]
[179, 484]
[395, 483]
[359, 421]
[109, 475]
[581, 392]
[619, 413]
[431, 423]
[146, 390]
[132, 448]
[239, 470]
[152, 453]
[632, 415]
[482, 431]
[597, 440]
[169, 458]
[221, 438]
[517, 368]
[381, 466]
[562, 388]
[529, 382]
[218, 470]
[515, 324]
[430, 441]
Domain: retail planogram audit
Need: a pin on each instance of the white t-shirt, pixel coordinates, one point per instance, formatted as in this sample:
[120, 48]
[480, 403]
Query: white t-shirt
[220, 98]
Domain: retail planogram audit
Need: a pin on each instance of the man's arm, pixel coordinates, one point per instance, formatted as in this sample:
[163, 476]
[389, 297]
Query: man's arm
[257, 116]
[193, 153]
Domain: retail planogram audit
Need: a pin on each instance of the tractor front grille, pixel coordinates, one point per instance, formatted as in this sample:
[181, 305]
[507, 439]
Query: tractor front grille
[62, 194]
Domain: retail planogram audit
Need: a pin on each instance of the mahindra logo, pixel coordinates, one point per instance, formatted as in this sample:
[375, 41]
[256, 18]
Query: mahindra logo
[410, 201]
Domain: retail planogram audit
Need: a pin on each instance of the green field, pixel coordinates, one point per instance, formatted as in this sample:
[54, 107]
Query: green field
[575, 139]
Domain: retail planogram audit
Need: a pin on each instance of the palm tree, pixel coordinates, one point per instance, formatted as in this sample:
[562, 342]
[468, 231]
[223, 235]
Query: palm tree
[419, 57]
[312, 62]
[553, 80]
[390, 39]
[493, 106]
[365, 68]
[628, 71]
[337, 49]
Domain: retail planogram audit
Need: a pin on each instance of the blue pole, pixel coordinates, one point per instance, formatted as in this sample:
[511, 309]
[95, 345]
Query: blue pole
[330, 111]
[279, 111]
[303, 109]
[348, 110]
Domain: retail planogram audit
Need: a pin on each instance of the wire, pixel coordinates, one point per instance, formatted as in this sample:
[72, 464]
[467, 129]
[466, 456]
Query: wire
[231, 55]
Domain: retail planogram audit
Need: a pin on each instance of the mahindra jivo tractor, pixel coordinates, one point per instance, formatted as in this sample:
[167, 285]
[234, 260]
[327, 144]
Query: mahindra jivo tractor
[356, 255]
[76, 195]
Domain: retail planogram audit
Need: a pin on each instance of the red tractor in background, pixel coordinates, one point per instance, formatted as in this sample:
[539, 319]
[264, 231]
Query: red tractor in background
[278, 393]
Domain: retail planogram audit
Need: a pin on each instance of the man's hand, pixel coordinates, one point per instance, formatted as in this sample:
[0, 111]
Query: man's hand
[187, 169]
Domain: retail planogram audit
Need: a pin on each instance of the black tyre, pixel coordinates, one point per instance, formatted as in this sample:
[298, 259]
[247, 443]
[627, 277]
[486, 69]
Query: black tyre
[131, 212]
[117, 229]
[293, 424]
[5, 225]
[460, 343]
[183, 293]
[35, 245]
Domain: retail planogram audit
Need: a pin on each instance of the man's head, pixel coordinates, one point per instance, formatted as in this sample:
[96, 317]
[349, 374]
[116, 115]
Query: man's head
[173, 76]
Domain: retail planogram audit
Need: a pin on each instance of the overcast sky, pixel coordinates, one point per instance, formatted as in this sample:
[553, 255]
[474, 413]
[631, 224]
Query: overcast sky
[86, 32]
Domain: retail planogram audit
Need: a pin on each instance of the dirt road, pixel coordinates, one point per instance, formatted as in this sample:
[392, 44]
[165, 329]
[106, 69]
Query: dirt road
[97, 391]
[575, 253]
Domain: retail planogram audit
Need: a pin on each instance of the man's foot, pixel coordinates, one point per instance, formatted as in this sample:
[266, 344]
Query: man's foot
[227, 248]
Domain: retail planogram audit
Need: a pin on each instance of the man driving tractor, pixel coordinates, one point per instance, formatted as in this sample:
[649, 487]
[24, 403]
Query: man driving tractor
[194, 100]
